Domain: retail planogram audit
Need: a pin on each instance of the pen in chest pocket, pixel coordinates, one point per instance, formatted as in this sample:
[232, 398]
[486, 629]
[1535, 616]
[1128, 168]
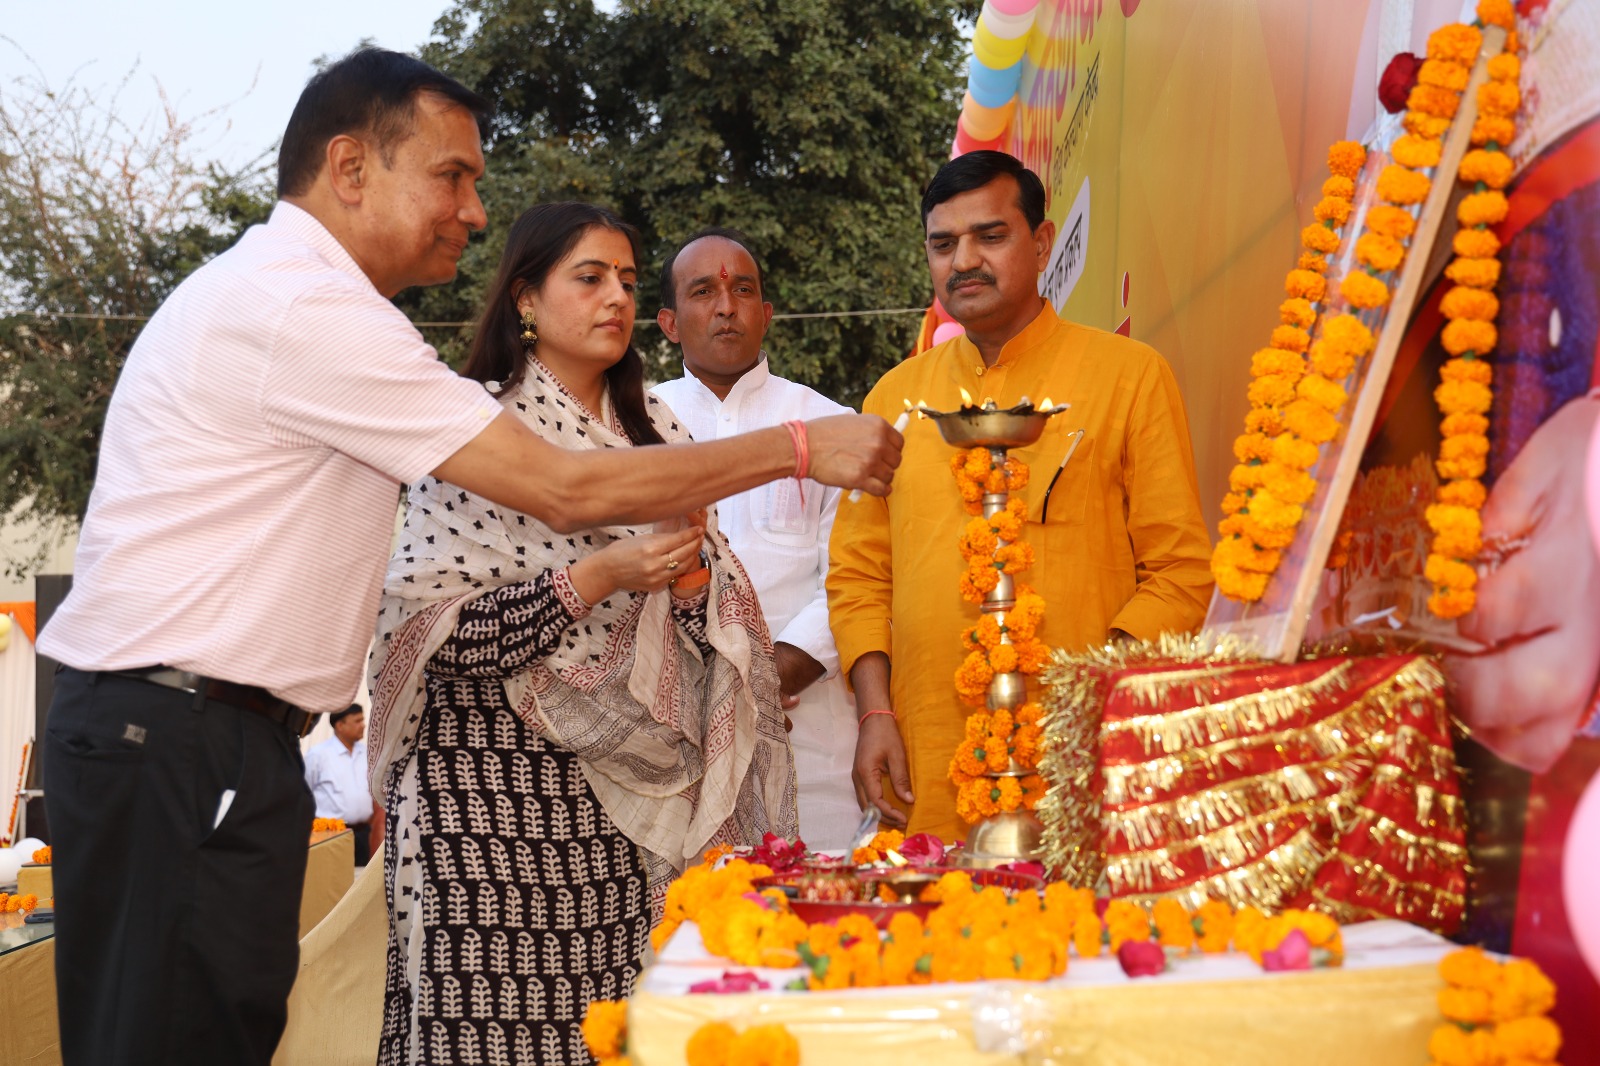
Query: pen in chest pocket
[1044, 511]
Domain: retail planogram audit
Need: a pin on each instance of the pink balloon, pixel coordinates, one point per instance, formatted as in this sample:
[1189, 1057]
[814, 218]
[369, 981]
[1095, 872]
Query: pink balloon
[1580, 862]
[1012, 7]
[1592, 486]
[946, 331]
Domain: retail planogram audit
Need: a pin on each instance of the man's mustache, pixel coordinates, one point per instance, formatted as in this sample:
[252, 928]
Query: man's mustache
[968, 275]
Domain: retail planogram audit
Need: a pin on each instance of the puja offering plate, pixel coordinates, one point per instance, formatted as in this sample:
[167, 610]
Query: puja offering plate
[851, 890]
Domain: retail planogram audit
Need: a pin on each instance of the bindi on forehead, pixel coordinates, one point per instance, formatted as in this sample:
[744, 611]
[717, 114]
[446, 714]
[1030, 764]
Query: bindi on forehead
[723, 274]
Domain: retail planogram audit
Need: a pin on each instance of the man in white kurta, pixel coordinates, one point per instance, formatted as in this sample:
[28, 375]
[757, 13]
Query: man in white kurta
[712, 305]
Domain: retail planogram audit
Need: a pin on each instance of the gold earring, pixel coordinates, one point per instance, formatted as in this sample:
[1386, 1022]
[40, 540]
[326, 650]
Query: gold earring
[530, 331]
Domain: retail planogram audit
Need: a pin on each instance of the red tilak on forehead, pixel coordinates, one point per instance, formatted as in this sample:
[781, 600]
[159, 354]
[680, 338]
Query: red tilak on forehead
[724, 271]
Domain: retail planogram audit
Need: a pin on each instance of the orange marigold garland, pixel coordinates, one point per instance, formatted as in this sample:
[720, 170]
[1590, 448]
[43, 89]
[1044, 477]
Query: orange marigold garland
[605, 1031]
[1270, 484]
[1493, 1012]
[1464, 394]
[1296, 404]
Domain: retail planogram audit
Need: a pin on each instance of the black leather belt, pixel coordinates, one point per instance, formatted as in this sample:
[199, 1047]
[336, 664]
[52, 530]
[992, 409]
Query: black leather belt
[244, 697]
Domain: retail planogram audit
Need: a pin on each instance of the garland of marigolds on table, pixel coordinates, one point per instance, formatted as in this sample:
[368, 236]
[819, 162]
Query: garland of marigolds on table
[1495, 1012]
[973, 934]
[995, 739]
[1296, 398]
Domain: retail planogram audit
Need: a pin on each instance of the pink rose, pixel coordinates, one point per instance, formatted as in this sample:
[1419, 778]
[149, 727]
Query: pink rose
[732, 981]
[1294, 953]
[923, 849]
[1142, 958]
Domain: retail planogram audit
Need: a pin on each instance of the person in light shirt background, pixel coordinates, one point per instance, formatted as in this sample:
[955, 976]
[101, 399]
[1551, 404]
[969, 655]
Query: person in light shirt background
[713, 306]
[336, 773]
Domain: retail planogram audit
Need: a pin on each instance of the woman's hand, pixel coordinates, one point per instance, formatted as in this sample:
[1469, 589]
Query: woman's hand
[639, 564]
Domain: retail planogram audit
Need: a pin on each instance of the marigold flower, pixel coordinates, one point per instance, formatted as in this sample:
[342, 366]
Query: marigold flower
[1289, 485]
[1493, 130]
[1468, 335]
[1312, 261]
[1339, 186]
[1467, 303]
[1290, 339]
[1331, 361]
[1451, 1045]
[1527, 1040]
[1465, 491]
[1244, 478]
[1465, 370]
[1032, 656]
[1215, 919]
[765, 1045]
[1297, 313]
[1266, 420]
[1505, 67]
[1272, 390]
[1326, 394]
[1331, 209]
[1379, 252]
[1425, 125]
[1361, 289]
[1391, 221]
[1248, 446]
[1293, 452]
[1455, 41]
[1523, 989]
[1305, 284]
[1432, 100]
[1497, 13]
[1493, 168]
[1345, 158]
[1318, 237]
[1449, 573]
[1474, 273]
[1466, 446]
[1347, 332]
[709, 1044]
[1417, 152]
[1443, 74]
[1003, 659]
[1274, 513]
[1470, 1005]
[1498, 98]
[1235, 584]
[1482, 209]
[1398, 185]
[1310, 422]
[1278, 360]
[1458, 531]
[1268, 542]
[1033, 789]
[605, 1028]
[1475, 244]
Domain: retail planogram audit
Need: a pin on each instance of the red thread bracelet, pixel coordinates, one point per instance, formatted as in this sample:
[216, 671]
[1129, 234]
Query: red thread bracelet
[802, 453]
[880, 710]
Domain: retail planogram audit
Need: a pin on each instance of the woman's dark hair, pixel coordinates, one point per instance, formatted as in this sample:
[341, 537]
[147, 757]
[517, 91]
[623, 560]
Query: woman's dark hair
[540, 239]
[372, 92]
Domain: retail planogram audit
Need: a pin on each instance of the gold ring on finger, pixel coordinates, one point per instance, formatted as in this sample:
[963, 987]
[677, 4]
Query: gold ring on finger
[672, 564]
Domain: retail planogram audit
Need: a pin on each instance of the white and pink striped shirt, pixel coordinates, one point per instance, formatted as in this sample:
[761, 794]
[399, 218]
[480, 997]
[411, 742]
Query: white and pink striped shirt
[247, 489]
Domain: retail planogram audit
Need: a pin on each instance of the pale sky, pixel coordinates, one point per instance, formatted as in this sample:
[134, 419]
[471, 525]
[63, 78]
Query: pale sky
[251, 60]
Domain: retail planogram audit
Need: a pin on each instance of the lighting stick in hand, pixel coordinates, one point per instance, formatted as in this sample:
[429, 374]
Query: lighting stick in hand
[899, 427]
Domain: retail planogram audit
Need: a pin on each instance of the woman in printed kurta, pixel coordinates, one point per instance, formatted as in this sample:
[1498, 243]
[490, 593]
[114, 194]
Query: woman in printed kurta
[560, 721]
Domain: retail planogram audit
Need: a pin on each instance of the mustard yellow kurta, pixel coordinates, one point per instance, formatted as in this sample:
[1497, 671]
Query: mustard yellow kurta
[1124, 547]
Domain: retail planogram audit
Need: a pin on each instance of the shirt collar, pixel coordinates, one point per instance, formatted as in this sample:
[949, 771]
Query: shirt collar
[302, 224]
[748, 382]
[1033, 334]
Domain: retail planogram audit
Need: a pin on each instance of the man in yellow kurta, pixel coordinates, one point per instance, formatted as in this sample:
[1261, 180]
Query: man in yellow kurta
[1122, 551]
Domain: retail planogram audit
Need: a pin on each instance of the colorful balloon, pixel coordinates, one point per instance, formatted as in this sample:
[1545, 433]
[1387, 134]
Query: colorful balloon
[1008, 27]
[1580, 860]
[966, 142]
[990, 87]
[994, 52]
[946, 331]
[1012, 7]
[986, 123]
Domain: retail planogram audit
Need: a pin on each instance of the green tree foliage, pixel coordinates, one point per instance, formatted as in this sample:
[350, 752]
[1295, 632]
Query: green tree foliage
[98, 222]
[809, 124]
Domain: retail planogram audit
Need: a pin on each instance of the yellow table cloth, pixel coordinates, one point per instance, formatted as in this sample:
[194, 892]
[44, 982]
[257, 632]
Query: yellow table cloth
[1206, 1011]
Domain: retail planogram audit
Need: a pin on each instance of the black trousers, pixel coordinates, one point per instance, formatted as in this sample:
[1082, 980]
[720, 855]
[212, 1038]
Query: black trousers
[176, 934]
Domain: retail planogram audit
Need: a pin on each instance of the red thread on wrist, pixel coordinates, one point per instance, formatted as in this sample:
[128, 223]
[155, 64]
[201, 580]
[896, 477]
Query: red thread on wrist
[880, 710]
[802, 453]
